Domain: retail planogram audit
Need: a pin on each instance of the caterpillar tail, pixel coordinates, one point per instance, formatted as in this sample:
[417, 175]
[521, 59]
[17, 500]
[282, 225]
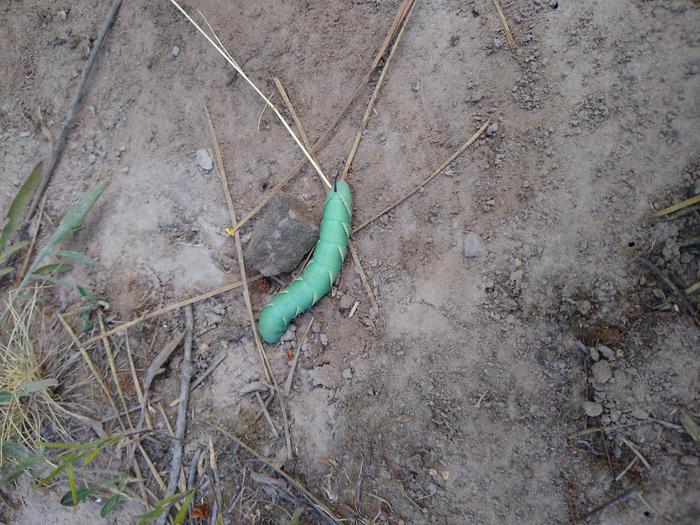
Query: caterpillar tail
[321, 272]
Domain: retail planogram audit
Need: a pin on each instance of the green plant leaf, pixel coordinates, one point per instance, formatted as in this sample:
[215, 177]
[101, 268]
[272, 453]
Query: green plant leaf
[109, 505]
[182, 513]
[20, 204]
[295, 517]
[14, 450]
[92, 455]
[7, 269]
[12, 249]
[150, 515]
[80, 495]
[53, 268]
[71, 483]
[20, 468]
[29, 387]
[77, 256]
[5, 397]
[75, 216]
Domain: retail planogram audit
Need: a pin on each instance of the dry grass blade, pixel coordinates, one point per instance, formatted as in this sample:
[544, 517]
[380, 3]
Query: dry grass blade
[375, 94]
[290, 376]
[246, 294]
[319, 506]
[403, 9]
[636, 451]
[506, 27]
[173, 307]
[693, 288]
[227, 56]
[678, 206]
[351, 246]
[435, 173]
[91, 366]
[113, 368]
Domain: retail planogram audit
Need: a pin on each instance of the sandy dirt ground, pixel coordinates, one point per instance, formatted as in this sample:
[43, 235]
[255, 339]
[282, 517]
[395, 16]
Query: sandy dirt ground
[467, 397]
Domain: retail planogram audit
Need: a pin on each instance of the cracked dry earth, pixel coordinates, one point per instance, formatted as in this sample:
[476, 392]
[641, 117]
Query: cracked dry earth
[467, 397]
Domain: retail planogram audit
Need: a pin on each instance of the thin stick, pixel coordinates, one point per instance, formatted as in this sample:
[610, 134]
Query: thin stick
[137, 384]
[290, 376]
[321, 141]
[318, 505]
[32, 243]
[246, 294]
[636, 451]
[504, 23]
[227, 56]
[186, 370]
[263, 408]
[70, 116]
[375, 94]
[627, 468]
[435, 173]
[295, 117]
[172, 307]
[113, 368]
[91, 366]
[668, 282]
[624, 495]
[678, 206]
[353, 251]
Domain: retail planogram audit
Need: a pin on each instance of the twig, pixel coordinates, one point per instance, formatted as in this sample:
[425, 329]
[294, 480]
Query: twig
[633, 491]
[290, 376]
[506, 28]
[678, 206]
[626, 469]
[32, 243]
[186, 370]
[209, 371]
[321, 141]
[70, 116]
[263, 408]
[375, 94]
[174, 306]
[607, 451]
[241, 265]
[435, 173]
[91, 366]
[636, 451]
[137, 383]
[668, 282]
[353, 251]
[113, 368]
[318, 505]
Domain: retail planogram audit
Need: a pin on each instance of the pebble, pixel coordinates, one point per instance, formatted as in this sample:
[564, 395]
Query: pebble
[175, 51]
[62, 15]
[346, 302]
[92, 158]
[601, 372]
[324, 339]
[204, 160]
[592, 409]
[24, 134]
[473, 246]
[347, 373]
[594, 354]
[289, 335]
[492, 129]
[606, 352]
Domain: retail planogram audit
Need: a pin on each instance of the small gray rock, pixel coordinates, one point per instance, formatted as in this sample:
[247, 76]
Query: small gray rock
[473, 246]
[282, 237]
[606, 352]
[346, 302]
[204, 160]
[592, 409]
[61, 15]
[324, 339]
[92, 158]
[347, 373]
[175, 51]
[492, 129]
[690, 461]
[601, 372]
[594, 354]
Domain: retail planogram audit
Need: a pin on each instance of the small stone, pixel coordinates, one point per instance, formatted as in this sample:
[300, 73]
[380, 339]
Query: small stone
[594, 354]
[606, 352]
[204, 160]
[690, 461]
[347, 374]
[175, 51]
[288, 336]
[601, 372]
[282, 237]
[346, 302]
[536, 411]
[92, 158]
[324, 339]
[592, 409]
[584, 307]
[61, 15]
[24, 134]
[415, 87]
[473, 246]
[492, 129]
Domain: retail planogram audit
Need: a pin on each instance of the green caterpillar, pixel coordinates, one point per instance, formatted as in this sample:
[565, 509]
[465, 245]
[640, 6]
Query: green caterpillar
[320, 273]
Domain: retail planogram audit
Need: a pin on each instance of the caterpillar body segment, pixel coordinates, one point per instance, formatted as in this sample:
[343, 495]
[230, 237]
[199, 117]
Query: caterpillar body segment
[321, 272]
